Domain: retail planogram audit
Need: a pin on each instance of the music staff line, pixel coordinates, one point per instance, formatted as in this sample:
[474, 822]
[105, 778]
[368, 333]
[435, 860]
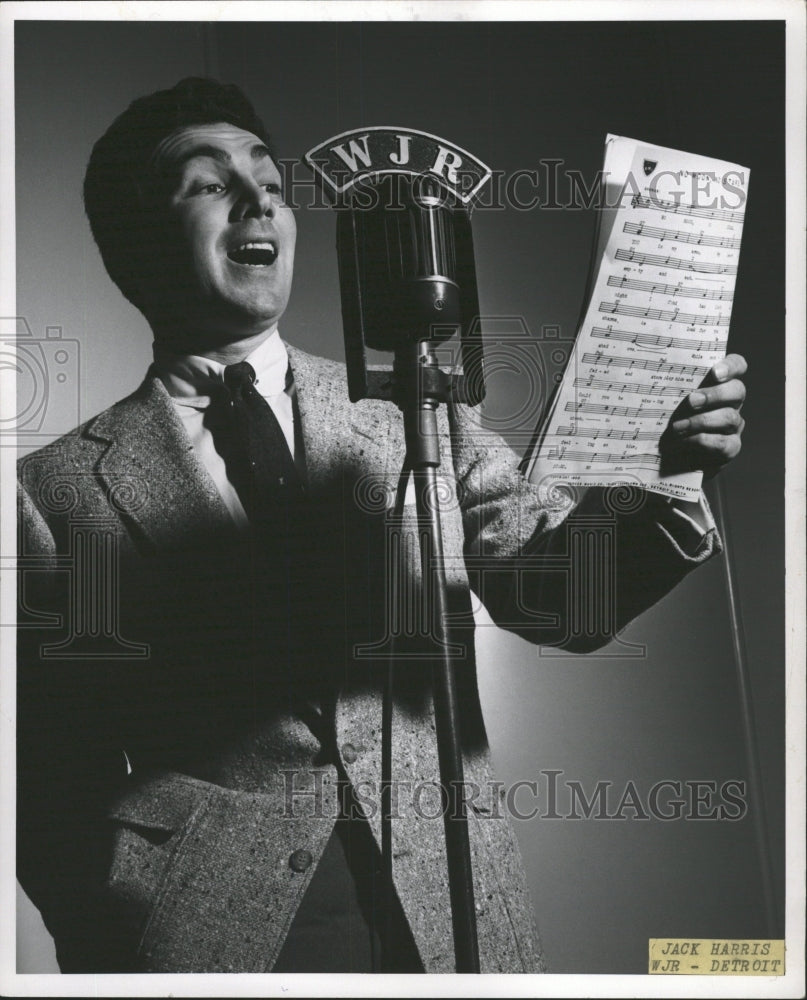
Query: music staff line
[590, 457]
[643, 389]
[645, 364]
[677, 236]
[615, 411]
[656, 340]
[660, 205]
[656, 260]
[664, 315]
[687, 292]
[606, 433]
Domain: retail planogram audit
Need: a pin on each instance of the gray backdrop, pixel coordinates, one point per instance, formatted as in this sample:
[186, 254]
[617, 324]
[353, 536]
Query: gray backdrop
[513, 94]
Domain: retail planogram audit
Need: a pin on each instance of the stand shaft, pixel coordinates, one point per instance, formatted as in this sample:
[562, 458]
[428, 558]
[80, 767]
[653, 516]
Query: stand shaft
[423, 451]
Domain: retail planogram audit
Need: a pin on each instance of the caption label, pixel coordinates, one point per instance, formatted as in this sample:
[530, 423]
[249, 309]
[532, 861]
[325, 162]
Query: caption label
[716, 957]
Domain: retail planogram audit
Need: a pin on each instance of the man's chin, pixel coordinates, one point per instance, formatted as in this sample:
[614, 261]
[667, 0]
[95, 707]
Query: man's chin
[244, 316]
[214, 333]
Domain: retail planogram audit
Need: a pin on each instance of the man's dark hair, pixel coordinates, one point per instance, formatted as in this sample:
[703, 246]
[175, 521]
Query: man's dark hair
[121, 187]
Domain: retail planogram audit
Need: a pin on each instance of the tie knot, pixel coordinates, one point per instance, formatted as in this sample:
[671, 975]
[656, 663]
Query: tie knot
[239, 376]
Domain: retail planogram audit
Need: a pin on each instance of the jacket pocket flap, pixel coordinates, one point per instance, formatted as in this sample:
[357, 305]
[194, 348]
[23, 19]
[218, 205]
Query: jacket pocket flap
[163, 803]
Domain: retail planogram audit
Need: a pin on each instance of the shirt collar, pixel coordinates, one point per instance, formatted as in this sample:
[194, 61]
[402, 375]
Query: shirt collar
[191, 378]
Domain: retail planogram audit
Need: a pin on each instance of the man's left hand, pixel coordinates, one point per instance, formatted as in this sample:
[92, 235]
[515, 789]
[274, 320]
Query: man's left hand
[704, 432]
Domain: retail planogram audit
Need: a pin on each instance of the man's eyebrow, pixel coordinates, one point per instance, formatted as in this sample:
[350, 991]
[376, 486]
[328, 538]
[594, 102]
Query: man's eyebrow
[257, 152]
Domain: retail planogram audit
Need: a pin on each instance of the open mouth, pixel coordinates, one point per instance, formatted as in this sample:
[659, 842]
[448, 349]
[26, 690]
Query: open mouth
[255, 254]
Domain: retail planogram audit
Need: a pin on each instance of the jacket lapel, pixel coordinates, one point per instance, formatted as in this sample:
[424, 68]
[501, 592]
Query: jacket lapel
[341, 437]
[149, 463]
[149, 456]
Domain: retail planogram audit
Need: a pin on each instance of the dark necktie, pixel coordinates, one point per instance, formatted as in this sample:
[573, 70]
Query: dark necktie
[252, 443]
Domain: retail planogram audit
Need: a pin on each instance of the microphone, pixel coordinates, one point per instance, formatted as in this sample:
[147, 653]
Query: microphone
[407, 272]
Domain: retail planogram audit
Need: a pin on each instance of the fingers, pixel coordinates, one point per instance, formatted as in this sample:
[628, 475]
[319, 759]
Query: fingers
[706, 429]
[703, 451]
[729, 393]
[712, 449]
[723, 387]
[731, 367]
[726, 420]
[704, 442]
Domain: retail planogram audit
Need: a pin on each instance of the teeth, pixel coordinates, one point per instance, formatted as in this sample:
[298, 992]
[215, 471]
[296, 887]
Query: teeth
[268, 245]
[255, 253]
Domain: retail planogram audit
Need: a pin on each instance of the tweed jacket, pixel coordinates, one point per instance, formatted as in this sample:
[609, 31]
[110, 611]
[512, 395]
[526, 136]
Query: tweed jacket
[187, 712]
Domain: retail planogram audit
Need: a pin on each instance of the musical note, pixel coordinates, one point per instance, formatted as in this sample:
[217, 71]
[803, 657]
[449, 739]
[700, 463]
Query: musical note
[678, 236]
[684, 265]
[646, 365]
[631, 458]
[645, 389]
[654, 339]
[608, 433]
[615, 411]
[721, 214]
[685, 291]
[665, 315]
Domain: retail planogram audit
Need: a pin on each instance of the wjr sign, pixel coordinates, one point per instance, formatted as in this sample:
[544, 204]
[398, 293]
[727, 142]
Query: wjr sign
[345, 160]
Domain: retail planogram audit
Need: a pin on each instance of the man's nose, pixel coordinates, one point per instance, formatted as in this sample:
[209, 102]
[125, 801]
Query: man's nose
[254, 200]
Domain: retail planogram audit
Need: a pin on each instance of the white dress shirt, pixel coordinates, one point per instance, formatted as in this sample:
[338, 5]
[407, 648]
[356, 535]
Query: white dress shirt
[188, 378]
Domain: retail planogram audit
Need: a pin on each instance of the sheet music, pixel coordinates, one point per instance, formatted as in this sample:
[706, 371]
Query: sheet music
[659, 306]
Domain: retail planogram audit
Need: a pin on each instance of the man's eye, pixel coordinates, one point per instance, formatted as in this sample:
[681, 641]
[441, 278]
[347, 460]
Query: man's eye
[272, 187]
[211, 187]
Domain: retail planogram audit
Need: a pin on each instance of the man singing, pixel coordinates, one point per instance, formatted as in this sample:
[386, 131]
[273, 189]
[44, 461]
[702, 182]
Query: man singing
[200, 770]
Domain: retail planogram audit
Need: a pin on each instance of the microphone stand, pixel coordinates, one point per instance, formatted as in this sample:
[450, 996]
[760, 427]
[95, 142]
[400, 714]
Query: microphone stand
[408, 283]
[419, 388]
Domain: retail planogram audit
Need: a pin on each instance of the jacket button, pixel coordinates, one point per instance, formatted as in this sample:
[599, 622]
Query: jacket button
[349, 753]
[300, 861]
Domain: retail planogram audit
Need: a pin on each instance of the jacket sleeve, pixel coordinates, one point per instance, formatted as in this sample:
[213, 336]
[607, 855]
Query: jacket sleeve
[66, 763]
[563, 567]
